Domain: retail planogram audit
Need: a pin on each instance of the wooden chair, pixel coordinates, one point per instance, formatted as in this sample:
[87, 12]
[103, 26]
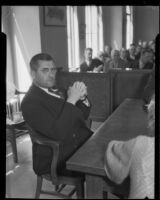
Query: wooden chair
[59, 181]
[14, 129]
[11, 137]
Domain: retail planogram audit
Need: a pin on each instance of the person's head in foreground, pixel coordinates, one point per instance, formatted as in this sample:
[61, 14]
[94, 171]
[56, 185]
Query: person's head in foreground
[43, 70]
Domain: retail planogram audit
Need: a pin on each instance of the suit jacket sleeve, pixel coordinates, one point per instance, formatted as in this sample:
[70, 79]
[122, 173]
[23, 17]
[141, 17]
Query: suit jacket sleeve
[117, 160]
[85, 109]
[46, 121]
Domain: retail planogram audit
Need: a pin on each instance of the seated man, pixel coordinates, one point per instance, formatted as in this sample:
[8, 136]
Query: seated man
[134, 158]
[115, 62]
[138, 51]
[124, 55]
[133, 61]
[89, 64]
[107, 51]
[54, 113]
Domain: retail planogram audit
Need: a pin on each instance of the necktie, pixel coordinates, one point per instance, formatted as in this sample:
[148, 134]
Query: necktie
[56, 92]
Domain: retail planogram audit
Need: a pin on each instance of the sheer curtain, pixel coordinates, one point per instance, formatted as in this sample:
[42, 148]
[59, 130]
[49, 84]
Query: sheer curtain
[94, 28]
[73, 38]
[129, 26]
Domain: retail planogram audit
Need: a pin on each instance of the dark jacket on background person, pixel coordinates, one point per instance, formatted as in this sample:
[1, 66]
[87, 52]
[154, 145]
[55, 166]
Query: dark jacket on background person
[55, 119]
[94, 63]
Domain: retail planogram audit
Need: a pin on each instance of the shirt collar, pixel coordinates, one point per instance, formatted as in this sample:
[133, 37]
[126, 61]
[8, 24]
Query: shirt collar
[46, 90]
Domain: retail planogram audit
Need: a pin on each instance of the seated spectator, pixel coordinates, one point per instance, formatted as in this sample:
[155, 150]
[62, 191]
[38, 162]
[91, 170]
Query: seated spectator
[124, 56]
[151, 45]
[134, 158]
[55, 113]
[101, 57]
[89, 64]
[107, 51]
[144, 44]
[132, 57]
[138, 52]
[147, 59]
[132, 51]
[115, 62]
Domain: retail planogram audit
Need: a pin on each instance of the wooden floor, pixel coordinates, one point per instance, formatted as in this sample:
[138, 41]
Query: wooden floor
[20, 178]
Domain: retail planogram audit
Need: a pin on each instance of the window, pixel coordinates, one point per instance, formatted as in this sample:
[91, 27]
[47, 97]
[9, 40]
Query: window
[20, 37]
[129, 25]
[94, 28]
[73, 38]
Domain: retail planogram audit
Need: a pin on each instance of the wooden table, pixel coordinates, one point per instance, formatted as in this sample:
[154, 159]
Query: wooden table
[127, 121]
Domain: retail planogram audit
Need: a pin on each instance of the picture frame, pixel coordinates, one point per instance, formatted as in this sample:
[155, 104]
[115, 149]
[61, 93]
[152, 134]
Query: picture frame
[55, 16]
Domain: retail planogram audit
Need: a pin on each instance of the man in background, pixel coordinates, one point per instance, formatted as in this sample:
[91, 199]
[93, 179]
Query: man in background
[89, 64]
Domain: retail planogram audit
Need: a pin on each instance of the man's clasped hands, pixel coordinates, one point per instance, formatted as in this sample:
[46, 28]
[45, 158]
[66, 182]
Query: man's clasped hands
[78, 91]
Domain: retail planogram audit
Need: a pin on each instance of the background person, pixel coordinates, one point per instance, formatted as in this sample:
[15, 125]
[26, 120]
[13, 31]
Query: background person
[89, 64]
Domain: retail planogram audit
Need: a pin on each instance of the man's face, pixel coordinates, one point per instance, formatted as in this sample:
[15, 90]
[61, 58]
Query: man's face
[88, 55]
[115, 55]
[45, 74]
[132, 50]
[107, 49]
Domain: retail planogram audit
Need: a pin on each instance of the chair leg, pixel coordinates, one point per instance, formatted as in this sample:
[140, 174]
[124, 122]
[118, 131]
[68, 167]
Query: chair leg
[80, 190]
[14, 147]
[38, 187]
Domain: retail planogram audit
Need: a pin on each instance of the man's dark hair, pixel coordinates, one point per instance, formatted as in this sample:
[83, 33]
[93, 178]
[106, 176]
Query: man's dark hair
[88, 49]
[41, 56]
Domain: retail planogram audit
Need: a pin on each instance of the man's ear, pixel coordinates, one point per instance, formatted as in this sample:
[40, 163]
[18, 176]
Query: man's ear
[32, 74]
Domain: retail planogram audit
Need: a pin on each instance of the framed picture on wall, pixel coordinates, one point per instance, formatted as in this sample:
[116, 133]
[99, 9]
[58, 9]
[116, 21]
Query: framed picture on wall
[55, 15]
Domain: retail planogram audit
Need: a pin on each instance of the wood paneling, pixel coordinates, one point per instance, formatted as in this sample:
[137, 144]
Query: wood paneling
[128, 84]
[98, 91]
[107, 90]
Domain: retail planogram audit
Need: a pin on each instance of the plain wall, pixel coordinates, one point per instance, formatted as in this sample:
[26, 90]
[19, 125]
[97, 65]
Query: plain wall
[112, 25]
[146, 24]
[54, 41]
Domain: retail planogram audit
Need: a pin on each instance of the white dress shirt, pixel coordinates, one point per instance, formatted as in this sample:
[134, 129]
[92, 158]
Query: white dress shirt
[86, 102]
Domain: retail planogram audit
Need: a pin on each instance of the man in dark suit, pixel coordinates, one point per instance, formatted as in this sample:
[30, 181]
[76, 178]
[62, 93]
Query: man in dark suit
[59, 116]
[90, 64]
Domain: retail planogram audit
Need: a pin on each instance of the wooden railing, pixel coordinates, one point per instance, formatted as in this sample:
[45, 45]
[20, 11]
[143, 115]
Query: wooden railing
[107, 90]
